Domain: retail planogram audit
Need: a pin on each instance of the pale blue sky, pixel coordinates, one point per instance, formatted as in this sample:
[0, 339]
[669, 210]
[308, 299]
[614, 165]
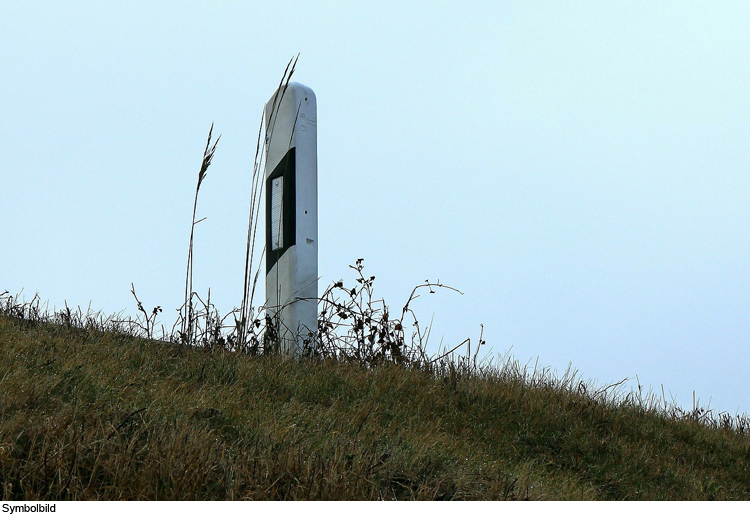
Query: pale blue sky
[578, 169]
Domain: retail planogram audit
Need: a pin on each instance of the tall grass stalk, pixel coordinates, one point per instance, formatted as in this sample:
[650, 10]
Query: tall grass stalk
[187, 310]
[249, 321]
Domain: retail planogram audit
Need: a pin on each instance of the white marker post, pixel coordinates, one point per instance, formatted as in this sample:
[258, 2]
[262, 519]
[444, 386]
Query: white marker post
[291, 179]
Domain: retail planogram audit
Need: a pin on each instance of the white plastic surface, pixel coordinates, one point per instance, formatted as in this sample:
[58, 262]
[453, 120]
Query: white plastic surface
[292, 283]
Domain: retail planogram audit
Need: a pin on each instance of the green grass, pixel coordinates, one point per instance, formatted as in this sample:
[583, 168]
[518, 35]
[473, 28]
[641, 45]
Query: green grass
[94, 414]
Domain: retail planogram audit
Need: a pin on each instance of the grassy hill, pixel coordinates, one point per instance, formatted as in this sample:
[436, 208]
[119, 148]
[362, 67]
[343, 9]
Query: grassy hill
[87, 413]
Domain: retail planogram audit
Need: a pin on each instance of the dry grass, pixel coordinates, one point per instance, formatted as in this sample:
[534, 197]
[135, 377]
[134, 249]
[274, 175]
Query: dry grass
[188, 329]
[93, 413]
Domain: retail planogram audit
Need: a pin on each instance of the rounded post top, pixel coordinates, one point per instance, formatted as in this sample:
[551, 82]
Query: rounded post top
[296, 92]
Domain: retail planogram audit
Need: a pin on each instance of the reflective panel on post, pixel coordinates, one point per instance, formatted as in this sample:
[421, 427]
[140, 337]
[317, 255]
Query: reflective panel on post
[277, 219]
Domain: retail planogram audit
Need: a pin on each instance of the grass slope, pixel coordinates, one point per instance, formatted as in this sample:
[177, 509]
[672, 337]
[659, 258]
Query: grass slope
[86, 414]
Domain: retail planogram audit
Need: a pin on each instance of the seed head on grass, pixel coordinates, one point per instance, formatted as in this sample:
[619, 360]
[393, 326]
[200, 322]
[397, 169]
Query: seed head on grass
[208, 155]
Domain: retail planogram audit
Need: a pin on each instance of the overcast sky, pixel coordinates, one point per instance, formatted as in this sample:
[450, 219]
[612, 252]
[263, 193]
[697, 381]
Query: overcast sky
[577, 169]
